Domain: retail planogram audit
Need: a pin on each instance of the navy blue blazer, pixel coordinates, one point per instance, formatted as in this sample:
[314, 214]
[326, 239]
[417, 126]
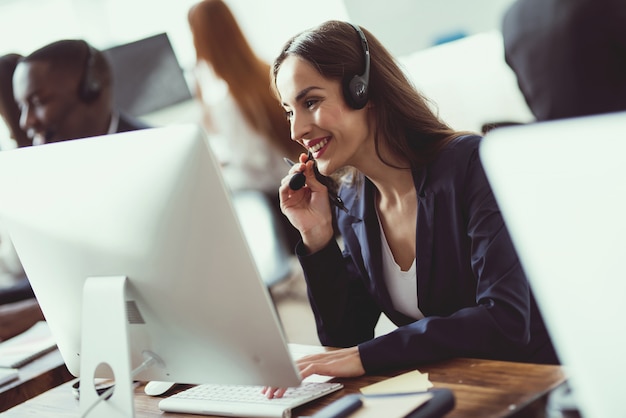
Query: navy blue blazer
[471, 288]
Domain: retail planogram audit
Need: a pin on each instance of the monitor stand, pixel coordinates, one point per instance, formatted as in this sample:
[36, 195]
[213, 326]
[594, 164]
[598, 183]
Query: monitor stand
[105, 341]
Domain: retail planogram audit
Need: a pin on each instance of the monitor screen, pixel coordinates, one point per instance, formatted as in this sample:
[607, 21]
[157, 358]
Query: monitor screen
[146, 75]
[149, 207]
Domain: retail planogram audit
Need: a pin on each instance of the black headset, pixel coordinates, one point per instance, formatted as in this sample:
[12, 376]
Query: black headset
[90, 86]
[356, 89]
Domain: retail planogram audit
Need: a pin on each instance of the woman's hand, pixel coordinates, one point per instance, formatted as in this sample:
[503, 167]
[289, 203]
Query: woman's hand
[308, 209]
[344, 362]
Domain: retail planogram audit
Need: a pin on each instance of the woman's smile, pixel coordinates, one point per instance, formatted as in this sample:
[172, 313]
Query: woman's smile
[318, 147]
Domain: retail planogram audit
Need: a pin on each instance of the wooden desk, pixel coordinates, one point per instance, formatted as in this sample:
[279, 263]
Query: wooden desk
[483, 389]
[36, 377]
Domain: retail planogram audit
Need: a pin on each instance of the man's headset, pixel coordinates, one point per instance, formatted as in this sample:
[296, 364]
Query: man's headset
[356, 89]
[90, 86]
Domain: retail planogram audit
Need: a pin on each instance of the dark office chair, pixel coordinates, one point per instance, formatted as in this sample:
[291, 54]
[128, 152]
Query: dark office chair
[265, 236]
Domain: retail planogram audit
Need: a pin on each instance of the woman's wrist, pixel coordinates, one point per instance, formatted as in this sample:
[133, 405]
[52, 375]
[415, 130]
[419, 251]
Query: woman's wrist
[317, 238]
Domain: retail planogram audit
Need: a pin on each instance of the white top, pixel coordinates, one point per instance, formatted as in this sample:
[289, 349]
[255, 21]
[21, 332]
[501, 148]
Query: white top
[248, 159]
[401, 285]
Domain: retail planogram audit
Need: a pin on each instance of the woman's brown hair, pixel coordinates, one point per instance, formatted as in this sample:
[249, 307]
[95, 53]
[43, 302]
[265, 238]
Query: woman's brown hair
[219, 41]
[404, 118]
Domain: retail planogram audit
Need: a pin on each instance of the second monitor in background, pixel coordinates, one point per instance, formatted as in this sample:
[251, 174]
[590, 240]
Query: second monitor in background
[148, 75]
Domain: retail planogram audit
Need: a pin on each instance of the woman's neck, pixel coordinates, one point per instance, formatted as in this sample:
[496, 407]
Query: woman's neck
[391, 175]
[395, 188]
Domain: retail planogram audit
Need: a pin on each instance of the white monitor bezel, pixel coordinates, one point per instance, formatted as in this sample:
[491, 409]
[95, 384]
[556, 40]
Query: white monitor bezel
[68, 215]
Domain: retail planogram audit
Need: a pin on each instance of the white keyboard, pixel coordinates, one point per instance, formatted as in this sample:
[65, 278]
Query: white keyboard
[244, 401]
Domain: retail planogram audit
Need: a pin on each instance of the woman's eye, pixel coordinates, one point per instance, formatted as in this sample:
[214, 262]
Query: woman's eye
[309, 103]
[288, 114]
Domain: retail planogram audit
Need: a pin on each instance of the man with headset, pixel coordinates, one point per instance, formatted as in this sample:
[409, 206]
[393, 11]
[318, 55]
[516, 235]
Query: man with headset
[65, 91]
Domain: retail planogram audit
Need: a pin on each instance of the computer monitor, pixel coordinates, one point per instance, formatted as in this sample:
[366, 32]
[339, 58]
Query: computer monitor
[560, 186]
[147, 75]
[134, 252]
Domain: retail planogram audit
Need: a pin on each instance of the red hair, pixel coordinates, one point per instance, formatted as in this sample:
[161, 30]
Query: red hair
[219, 41]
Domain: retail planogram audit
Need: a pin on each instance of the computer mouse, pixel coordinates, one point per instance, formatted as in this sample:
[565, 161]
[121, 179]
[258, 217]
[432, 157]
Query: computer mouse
[156, 388]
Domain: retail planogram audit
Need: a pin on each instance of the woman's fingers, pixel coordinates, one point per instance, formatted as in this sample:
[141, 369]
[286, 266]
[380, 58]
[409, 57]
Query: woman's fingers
[345, 362]
[272, 392]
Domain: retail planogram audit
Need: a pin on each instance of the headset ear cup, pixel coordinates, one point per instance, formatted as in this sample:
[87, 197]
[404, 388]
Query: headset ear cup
[90, 90]
[356, 95]
[356, 89]
[90, 86]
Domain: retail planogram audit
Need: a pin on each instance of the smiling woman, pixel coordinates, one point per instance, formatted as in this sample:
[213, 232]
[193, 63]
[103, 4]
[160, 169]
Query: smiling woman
[449, 278]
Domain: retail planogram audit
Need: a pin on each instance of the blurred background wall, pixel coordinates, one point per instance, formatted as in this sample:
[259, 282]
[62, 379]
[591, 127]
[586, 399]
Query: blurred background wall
[404, 26]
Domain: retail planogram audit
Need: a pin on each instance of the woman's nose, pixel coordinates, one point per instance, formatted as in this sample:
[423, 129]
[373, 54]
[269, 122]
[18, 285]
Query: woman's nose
[300, 127]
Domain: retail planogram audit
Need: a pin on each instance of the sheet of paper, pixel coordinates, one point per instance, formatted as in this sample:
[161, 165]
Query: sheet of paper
[409, 382]
[390, 406]
[300, 350]
[6, 375]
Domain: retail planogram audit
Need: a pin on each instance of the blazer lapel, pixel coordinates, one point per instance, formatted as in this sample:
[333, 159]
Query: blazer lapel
[424, 239]
[367, 229]
[367, 237]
